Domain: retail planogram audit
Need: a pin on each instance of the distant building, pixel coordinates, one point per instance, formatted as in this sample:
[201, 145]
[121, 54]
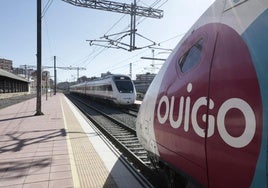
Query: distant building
[105, 74]
[19, 71]
[145, 78]
[64, 86]
[143, 81]
[6, 64]
[26, 73]
[45, 81]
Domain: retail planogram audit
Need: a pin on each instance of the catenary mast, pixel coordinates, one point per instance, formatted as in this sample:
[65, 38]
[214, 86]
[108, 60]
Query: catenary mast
[105, 5]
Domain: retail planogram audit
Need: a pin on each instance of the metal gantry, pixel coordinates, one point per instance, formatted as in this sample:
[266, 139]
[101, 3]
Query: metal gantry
[55, 67]
[112, 6]
[55, 71]
[132, 9]
[118, 7]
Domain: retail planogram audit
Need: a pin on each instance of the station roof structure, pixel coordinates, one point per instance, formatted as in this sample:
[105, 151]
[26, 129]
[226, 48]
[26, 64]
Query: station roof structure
[7, 74]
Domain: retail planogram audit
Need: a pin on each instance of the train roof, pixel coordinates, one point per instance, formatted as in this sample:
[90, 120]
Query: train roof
[101, 79]
[114, 75]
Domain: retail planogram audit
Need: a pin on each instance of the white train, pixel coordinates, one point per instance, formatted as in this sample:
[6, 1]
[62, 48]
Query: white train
[116, 88]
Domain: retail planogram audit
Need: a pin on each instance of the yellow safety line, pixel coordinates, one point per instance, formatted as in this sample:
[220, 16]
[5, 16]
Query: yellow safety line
[76, 181]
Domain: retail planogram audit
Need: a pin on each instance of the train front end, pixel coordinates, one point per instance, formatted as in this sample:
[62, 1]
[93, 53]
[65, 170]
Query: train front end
[124, 90]
[204, 117]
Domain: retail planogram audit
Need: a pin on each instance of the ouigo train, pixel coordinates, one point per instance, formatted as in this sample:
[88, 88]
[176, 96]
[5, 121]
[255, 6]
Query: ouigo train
[116, 88]
[205, 116]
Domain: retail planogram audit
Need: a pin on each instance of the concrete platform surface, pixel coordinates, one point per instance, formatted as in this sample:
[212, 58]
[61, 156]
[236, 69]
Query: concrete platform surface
[57, 149]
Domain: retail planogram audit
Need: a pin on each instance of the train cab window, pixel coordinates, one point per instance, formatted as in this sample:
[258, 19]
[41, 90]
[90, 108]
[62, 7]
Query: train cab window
[123, 84]
[109, 87]
[191, 57]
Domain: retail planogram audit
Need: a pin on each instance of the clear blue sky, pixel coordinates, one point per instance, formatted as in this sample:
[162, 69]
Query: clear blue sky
[65, 29]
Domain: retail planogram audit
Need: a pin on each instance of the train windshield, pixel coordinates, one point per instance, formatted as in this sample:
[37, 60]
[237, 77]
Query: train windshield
[124, 84]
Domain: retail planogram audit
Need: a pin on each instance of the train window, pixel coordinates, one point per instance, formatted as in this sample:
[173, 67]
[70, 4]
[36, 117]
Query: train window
[191, 57]
[110, 88]
[124, 86]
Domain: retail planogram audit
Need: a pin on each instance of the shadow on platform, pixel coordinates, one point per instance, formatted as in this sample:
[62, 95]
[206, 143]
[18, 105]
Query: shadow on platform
[20, 168]
[15, 141]
[20, 117]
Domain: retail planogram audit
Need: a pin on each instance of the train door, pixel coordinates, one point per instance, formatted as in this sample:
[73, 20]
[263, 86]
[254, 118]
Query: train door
[182, 108]
[234, 144]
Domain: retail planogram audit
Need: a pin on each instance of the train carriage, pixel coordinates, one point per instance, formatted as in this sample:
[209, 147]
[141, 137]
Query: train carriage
[116, 88]
[204, 117]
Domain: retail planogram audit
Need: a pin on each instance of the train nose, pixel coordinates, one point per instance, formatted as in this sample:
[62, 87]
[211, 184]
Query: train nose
[127, 100]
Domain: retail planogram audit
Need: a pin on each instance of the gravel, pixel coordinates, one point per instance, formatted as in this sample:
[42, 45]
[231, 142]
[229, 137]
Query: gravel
[11, 99]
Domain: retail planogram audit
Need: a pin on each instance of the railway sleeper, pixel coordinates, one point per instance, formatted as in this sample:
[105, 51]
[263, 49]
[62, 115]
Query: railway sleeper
[147, 163]
[135, 149]
[119, 130]
[141, 152]
[129, 141]
[123, 139]
[122, 132]
[131, 145]
[144, 158]
[130, 136]
[117, 134]
[115, 129]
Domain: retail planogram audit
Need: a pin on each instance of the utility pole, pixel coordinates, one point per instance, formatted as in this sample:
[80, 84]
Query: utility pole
[133, 26]
[39, 59]
[130, 70]
[78, 68]
[46, 86]
[25, 71]
[55, 76]
[153, 61]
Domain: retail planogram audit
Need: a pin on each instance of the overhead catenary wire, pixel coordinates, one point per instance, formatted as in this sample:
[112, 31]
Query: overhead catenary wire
[48, 37]
[153, 5]
[169, 39]
[98, 50]
[44, 11]
[47, 6]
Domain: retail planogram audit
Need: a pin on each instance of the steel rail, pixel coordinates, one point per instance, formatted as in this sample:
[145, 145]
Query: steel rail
[122, 137]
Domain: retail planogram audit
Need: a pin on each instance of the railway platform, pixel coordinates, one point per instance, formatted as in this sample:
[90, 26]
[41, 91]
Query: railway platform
[58, 149]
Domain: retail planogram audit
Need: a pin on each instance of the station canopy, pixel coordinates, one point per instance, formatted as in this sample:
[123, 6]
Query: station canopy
[4, 73]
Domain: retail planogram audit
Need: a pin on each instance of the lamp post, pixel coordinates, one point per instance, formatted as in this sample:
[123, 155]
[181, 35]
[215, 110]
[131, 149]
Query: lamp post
[39, 59]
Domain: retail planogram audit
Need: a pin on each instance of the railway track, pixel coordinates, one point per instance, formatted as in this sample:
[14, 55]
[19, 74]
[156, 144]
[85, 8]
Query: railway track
[130, 111]
[122, 136]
